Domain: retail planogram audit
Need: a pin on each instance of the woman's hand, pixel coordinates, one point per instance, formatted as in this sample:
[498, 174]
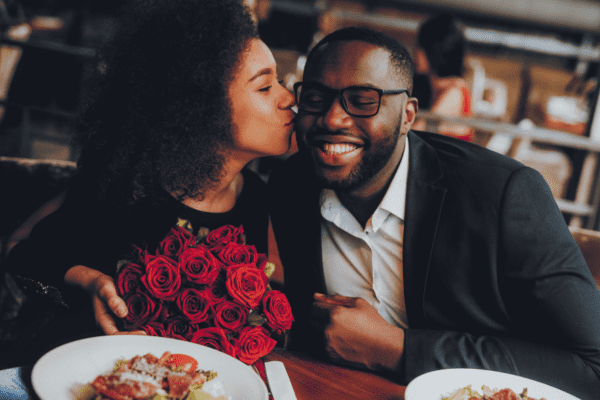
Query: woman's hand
[105, 301]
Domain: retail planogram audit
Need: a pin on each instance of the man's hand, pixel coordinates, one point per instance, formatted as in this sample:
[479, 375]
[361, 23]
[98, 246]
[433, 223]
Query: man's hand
[105, 301]
[355, 333]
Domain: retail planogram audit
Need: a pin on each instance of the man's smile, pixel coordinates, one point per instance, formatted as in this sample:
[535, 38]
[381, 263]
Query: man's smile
[336, 150]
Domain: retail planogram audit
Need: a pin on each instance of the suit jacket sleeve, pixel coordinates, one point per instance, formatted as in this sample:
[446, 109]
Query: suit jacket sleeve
[552, 329]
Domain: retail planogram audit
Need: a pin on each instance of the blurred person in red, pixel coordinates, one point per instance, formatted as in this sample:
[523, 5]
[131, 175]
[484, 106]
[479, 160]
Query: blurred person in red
[439, 58]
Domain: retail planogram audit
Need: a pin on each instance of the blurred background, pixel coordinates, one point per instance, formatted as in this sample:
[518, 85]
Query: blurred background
[529, 75]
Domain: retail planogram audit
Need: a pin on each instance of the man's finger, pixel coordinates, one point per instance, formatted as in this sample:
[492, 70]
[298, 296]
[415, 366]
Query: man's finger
[322, 311]
[336, 300]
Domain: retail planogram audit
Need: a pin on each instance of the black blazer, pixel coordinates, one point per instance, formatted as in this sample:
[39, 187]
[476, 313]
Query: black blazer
[493, 278]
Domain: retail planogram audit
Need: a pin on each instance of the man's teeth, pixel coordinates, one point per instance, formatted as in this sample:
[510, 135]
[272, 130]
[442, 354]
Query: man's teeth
[331, 148]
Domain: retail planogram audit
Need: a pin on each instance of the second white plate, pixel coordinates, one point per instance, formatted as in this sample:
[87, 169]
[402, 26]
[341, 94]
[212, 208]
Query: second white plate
[438, 384]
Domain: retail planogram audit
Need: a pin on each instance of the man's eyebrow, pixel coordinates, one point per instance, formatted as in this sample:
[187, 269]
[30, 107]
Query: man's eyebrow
[264, 71]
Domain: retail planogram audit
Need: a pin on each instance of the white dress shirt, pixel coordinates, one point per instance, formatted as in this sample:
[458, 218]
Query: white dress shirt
[367, 262]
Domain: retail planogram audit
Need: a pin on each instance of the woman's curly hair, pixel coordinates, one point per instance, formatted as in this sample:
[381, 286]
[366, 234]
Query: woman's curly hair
[160, 114]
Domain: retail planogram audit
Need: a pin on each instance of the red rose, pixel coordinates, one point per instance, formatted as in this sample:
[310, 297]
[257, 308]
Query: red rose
[178, 327]
[261, 262]
[246, 284]
[128, 278]
[194, 305]
[230, 316]
[137, 254]
[154, 329]
[199, 266]
[277, 311]
[235, 253]
[162, 278]
[214, 338]
[254, 342]
[175, 242]
[218, 238]
[217, 292]
[142, 310]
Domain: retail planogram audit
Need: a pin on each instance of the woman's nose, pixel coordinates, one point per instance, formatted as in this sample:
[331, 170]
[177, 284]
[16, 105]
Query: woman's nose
[288, 99]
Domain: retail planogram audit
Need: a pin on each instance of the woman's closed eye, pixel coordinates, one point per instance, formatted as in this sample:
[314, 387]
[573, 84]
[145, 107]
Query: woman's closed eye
[267, 88]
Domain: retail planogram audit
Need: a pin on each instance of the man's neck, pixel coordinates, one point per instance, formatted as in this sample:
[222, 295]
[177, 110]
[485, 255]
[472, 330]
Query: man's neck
[362, 201]
[361, 207]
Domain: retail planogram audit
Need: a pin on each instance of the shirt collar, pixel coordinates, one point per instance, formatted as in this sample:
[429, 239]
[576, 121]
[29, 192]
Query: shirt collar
[395, 197]
[393, 201]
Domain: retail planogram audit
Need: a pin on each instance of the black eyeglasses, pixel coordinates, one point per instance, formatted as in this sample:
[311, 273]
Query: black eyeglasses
[357, 101]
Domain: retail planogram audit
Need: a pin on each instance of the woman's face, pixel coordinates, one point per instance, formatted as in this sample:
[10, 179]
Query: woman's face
[261, 106]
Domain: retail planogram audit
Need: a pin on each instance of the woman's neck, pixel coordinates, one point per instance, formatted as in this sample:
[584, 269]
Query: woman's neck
[222, 197]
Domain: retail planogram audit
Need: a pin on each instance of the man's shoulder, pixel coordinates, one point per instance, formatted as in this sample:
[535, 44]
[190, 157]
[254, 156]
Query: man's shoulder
[296, 169]
[455, 152]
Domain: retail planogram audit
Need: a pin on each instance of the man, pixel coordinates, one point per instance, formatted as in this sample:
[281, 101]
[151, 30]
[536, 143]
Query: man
[408, 252]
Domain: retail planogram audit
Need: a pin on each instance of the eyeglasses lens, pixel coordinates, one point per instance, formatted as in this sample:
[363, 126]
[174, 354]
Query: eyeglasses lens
[356, 101]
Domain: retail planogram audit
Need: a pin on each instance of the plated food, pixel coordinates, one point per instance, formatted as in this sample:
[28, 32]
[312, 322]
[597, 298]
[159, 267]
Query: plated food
[467, 384]
[466, 393]
[66, 372]
[143, 377]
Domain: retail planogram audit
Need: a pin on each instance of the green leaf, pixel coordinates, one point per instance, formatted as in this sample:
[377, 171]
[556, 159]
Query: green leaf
[119, 364]
[255, 319]
[269, 269]
[243, 238]
[202, 234]
[212, 375]
[185, 224]
[197, 387]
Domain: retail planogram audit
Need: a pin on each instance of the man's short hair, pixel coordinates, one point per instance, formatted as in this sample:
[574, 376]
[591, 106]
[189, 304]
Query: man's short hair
[400, 57]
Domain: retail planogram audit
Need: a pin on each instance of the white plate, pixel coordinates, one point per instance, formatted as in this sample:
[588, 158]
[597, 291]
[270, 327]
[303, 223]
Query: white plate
[63, 372]
[437, 384]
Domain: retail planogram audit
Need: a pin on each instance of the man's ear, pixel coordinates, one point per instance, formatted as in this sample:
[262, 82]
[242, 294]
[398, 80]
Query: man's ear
[410, 111]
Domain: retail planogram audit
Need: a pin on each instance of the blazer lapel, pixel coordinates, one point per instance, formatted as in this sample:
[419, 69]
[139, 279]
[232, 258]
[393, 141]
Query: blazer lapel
[424, 200]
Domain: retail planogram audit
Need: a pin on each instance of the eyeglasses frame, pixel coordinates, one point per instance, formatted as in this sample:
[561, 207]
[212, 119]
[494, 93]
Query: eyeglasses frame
[339, 94]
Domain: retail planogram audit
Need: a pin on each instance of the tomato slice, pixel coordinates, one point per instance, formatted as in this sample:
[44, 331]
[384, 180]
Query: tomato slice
[187, 363]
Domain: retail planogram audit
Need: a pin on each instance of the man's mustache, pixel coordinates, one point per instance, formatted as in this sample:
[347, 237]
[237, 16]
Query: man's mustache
[326, 132]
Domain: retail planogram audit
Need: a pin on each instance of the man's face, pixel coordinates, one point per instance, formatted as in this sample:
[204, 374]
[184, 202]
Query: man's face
[348, 152]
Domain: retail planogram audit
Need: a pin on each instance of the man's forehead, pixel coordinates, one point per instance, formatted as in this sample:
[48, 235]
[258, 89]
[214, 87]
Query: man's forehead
[350, 61]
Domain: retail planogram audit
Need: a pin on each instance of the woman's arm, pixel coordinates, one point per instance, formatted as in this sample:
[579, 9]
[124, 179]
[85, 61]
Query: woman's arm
[24, 230]
[99, 286]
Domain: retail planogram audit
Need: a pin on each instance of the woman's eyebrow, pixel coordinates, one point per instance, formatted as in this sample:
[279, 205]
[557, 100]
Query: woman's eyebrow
[264, 71]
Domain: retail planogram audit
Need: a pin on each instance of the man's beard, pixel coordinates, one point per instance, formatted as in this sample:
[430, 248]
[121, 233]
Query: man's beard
[371, 163]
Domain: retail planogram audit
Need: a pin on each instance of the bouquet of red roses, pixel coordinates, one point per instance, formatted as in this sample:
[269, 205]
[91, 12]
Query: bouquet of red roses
[211, 289]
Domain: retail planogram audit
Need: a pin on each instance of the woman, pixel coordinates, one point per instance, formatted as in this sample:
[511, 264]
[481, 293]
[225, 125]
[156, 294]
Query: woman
[439, 57]
[186, 98]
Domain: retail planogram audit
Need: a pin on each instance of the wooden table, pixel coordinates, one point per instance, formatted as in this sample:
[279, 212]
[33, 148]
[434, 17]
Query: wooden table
[314, 379]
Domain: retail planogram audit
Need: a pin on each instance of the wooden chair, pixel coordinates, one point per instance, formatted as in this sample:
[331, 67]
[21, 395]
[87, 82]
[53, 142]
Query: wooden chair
[589, 243]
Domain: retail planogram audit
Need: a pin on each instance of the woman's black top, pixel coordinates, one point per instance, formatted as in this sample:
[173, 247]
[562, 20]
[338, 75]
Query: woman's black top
[85, 231]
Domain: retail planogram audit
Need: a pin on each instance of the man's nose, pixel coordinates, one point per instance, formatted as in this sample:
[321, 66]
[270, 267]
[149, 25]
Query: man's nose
[335, 117]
